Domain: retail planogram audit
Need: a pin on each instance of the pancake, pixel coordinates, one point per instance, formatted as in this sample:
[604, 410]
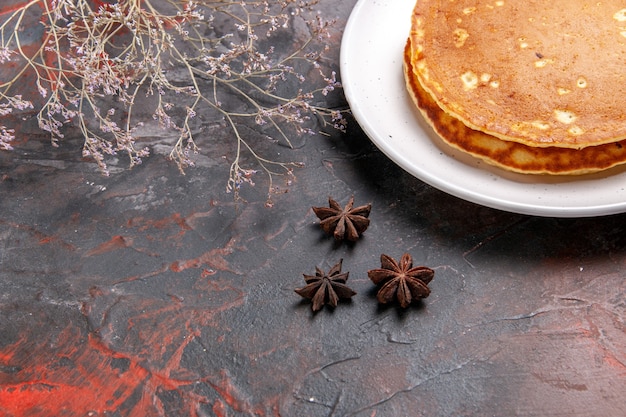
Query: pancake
[538, 72]
[512, 156]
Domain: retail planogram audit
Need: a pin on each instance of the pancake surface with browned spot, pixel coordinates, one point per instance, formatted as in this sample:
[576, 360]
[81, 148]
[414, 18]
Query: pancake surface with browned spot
[537, 72]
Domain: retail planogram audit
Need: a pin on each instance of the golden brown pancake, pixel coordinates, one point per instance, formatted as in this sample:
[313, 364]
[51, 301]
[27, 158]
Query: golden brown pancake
[538, 72]
[509, 155]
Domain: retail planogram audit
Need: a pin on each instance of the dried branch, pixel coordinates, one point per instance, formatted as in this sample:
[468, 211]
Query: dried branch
[99, 57]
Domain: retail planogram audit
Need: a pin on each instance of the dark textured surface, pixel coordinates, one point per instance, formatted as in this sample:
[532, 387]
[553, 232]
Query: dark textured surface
[149, 293]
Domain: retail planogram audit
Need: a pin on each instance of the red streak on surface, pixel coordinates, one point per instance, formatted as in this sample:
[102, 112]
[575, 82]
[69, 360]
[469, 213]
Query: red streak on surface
[270, 407]
[99, 3]
[213, 258]
[75, 379]
[15, 7]
[207, 273]
[218, 409]
[43, 238]
[175, 218]
[612, 361]
[73, 374]
[229, 393]
[116, 242]
[70, 372]
[144, 224]
[178, 222]
[612, 358]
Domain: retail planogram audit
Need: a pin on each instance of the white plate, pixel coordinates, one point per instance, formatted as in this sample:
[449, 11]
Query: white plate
[371, 73]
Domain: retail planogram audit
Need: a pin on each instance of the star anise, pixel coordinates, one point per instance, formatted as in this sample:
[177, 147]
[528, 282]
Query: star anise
[325, 288]
[401, 281]
[344, 223]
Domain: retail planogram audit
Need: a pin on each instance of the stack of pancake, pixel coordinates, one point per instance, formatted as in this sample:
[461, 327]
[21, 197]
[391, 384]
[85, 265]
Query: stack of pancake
[537, 86]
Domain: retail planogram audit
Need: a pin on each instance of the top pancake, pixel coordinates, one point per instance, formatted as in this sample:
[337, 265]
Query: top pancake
[537, 72]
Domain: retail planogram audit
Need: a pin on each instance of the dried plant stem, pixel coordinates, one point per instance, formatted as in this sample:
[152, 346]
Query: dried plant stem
[98, 58]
